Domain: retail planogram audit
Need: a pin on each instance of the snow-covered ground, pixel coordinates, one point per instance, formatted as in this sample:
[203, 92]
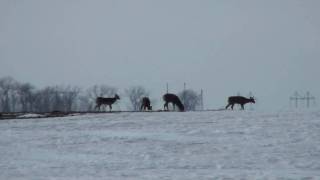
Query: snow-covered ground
[190, 145]
[31, 115]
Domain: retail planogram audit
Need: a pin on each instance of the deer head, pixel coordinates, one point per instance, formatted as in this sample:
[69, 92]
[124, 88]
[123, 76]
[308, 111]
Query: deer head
[252, 100]
[116, 96]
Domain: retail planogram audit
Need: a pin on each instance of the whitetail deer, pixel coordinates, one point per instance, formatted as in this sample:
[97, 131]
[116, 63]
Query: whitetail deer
[145, 104]
[106, 101]
[174, 99]
[239, 100]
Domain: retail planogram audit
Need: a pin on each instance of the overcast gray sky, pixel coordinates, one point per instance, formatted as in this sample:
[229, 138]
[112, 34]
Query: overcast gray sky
[269, 47]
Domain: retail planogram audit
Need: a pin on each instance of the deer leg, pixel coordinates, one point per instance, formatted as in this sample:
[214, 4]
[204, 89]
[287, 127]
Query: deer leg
[165, 106]
[228, 106]
[110, 106]
[232, 106]
[174, 106]
[242, 106]
[141, 107]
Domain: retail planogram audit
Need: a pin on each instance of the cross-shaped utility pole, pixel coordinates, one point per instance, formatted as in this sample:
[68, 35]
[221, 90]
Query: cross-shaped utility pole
[308, 98]
[296, 97]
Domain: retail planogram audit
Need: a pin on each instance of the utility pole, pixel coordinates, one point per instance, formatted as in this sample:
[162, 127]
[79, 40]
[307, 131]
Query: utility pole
[308, 98]
[184, 93]
[201, 100]
[296, 97]
[167, 88]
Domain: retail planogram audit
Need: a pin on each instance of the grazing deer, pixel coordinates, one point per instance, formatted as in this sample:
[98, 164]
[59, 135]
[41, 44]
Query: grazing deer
[174, 99]
[145, 104]
[107, 101]
[239, 100]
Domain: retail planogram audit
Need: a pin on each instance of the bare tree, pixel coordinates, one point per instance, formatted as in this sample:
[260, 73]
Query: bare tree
[190, 99]
[84, 103]
[26, 94]
[16, 96]
[43, 99]
[56, 98]
[8, 94]
[135, 95]
[70, 96]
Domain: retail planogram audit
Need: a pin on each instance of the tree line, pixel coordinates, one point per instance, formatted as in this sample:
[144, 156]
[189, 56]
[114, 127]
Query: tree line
[18, 96]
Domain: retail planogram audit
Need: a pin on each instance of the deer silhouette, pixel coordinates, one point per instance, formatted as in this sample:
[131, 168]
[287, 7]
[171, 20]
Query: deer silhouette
[145, 104]
[239, 100]
[174, 99]
[106, 101]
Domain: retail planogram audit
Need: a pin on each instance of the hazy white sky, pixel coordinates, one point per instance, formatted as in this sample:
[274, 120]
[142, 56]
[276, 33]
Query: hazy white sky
[269, 47]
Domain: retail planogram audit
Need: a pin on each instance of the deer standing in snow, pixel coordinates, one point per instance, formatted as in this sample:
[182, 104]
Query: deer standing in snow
[106, 101]
[239, 100]
[145, 104]
[174, 99]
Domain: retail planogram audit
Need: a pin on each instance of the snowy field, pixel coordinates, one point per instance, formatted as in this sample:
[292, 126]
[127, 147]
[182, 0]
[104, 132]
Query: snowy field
[191, 145]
